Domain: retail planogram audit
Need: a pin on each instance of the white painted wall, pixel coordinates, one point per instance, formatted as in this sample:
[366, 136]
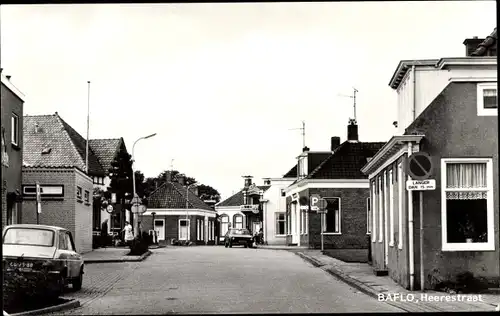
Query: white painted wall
[276, 203]
[429, 83]
[230, 211]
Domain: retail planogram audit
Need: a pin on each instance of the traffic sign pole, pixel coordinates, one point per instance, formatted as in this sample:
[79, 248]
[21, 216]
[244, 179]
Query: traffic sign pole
[421, 202]
[322, 230]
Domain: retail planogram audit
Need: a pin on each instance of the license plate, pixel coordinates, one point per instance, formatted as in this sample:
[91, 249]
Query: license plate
[20, 265]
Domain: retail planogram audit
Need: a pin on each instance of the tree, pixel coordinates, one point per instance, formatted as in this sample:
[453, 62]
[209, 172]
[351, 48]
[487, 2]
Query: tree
[120, 174]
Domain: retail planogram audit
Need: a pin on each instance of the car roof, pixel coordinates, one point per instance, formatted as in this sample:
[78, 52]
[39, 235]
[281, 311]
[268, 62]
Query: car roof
[55, 228]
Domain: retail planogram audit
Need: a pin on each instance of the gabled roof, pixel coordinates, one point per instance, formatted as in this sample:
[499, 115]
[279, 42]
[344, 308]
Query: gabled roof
[172, 195]
[292, 173]
[237, 198]
[489, 43]
[346, 161]
[106, 150]
[55, 144]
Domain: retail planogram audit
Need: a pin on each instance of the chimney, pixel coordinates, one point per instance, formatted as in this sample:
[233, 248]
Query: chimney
[8, 77]
[335, 142]
[168, 176]
[248, 181]
[471, 45]
[181, 179]
[267, 181]
[352, 131]
[305, 149]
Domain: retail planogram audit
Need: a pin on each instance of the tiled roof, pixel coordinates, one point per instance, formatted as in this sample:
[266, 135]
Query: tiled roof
[489, 43]
[292, 173]
[61, 145]
[346, 161]
[237, 199]
[106, 150]
[172, 195]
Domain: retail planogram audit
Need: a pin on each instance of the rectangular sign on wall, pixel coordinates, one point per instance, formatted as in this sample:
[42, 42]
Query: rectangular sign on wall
[47, 190]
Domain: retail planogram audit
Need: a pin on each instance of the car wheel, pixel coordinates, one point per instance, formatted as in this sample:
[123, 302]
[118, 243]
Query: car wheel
[77, 283]
[225, 244]
[245, 245]
[230, 245]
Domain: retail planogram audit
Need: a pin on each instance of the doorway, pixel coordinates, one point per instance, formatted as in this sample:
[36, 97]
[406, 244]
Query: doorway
[295, 222]
[159, 227]
[183, 229]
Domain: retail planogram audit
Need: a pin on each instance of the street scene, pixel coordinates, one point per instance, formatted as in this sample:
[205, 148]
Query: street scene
[223, 158]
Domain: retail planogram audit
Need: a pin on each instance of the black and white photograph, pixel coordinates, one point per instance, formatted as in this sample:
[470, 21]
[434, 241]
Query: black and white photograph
[249, 158]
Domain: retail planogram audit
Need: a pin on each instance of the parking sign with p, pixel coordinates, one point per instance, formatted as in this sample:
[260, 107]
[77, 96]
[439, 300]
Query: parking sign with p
[317, 203]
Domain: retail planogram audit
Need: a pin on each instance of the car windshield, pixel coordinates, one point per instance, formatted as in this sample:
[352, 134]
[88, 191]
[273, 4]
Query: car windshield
[240, 232]
[29, 237]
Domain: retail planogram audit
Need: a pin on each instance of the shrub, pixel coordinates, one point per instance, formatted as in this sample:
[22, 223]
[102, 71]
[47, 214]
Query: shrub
[20, 288]
[138, 247]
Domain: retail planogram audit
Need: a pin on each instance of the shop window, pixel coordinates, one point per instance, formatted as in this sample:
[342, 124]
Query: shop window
[467, 208]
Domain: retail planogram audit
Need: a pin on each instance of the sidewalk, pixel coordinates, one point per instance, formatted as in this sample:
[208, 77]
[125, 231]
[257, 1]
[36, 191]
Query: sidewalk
[107, 255]
[361, 277]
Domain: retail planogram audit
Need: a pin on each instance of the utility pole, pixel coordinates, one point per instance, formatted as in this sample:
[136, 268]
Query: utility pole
[303, 129]
[353, 96]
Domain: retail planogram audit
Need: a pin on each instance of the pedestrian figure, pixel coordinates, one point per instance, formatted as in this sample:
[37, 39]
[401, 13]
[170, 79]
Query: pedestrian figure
[104, 233]
[129, 235]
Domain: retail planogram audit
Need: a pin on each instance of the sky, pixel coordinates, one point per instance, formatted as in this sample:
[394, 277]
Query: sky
[226, 85]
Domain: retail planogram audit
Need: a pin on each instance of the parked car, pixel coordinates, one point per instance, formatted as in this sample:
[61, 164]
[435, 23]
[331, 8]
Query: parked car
[238, 236]
[35, 249]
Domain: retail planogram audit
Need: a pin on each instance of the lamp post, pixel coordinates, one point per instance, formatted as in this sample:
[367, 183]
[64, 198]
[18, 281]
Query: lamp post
[187, 211]
[136, 222]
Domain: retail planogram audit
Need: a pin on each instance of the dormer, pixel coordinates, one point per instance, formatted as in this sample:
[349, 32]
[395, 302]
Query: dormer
[302, 164]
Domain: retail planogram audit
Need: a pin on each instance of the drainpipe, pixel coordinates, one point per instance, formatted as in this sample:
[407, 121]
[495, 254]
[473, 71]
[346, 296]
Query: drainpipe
[411, 253]
[414, 77]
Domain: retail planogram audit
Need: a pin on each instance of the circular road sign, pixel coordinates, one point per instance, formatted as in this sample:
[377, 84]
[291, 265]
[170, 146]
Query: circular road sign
[420, 166]
[322, 204]
[109, 209]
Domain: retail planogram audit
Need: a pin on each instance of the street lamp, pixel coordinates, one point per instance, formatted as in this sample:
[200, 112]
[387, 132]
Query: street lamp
[187, 209]
[136, 224]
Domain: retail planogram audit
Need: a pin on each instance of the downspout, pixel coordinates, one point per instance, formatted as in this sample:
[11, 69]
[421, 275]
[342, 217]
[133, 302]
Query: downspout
[414, 78]
[411, 253]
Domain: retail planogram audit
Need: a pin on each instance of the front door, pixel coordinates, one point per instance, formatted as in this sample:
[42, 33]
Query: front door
[295, 222]
[256, 227]
[159, 228]
[183, 229]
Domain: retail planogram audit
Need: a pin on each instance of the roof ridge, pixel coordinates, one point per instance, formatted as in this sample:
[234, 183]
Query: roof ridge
[75, 150]
[326, 160]
[38, 115]
[106, 138]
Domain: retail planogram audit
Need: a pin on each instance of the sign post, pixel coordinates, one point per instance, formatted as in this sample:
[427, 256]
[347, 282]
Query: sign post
[38, 202]
[420, 169]
[318, 204]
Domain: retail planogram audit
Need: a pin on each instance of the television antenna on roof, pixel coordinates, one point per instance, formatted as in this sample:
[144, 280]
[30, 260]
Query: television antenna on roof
[353, 96]
[303, 129]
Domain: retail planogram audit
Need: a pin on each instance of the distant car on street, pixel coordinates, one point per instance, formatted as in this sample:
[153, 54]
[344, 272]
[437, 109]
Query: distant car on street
[238, 236]
[35, 249]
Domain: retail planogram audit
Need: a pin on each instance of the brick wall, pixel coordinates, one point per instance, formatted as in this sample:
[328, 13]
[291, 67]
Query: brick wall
[63, 212]
[83, 214]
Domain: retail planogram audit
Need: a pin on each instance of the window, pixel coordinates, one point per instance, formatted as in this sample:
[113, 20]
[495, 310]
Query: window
[374, 210]
[280, 224]
[79, 194]
[467, 208]
[63, 242]
[391, 209]
[487, 101]
[184, 228]
[87, 197]
[332, 217]
[401, 190]
[29, 237]
[211, 230]
[69, 242]
[14, 129]
[381, 209]
[368, 216]
[199, 229]
[224, 224]
[238, 221]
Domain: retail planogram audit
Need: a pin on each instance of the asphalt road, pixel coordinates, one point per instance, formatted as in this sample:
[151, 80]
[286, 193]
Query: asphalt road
[217, 280]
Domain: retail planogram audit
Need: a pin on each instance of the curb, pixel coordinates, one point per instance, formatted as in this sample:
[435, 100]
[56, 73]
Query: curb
[141, 258]
[68, 305]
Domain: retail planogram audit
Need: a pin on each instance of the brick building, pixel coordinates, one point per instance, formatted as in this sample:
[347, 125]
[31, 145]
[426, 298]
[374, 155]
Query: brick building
[172, 219]
[54, 156]
[336, 177]
[12, 151]
[447, 108]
